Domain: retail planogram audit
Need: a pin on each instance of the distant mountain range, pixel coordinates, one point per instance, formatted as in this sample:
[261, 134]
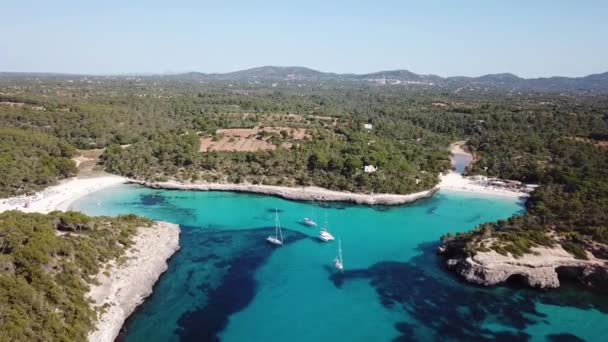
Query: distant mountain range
[281, 75]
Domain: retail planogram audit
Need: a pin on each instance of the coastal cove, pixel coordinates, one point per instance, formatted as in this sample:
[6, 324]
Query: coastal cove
[227, 283]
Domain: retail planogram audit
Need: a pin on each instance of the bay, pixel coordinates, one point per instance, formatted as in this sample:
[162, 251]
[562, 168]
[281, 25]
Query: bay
[226, 283]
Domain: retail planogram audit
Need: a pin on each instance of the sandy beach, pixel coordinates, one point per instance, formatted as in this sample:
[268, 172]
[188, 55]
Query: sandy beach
[61, 196]
[453, 181]
[127, 285]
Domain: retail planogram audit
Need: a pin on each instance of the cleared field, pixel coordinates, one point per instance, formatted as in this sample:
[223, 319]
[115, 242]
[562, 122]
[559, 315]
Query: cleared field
[248, 139]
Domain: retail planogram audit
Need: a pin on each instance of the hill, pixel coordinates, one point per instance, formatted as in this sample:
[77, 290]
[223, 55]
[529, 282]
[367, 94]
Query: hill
[502, 82]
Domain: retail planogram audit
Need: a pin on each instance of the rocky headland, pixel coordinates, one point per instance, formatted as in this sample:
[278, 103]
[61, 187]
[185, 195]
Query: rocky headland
[543, 268]
[124, 286]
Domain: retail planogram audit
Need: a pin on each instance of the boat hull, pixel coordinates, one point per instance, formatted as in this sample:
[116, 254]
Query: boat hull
[273, 240]
[326, 238]
[309, 223]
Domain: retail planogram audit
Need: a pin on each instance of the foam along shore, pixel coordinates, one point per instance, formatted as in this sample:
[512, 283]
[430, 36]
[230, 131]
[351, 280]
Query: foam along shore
[310, 193]
[61, 196]
[127, 285]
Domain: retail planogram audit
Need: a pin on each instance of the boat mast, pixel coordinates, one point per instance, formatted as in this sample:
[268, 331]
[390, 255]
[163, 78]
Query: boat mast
[277, 225]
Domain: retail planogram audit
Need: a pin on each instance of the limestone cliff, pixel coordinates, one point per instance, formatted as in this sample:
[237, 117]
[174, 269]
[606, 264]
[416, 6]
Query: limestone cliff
[540, 269]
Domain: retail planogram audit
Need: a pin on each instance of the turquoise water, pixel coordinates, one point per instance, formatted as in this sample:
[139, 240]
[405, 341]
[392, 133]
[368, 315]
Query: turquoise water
[227, 284]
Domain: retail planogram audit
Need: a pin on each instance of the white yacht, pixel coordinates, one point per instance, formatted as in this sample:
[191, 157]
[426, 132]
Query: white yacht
[338, 260]
[277, 239]
[309, 222]
[325, 236]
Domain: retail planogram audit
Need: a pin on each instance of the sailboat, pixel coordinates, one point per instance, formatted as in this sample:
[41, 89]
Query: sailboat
[338, 260]
[308, 221]
[277, 239]
[324, 235]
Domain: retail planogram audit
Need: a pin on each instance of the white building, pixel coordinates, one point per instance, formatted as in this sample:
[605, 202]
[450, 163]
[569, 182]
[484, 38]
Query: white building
[368, 126]
[370, 168]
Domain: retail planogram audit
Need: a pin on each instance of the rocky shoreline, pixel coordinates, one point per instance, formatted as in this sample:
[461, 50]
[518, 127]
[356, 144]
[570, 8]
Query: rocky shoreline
[127, 285]
[542, 268]
[295, 193]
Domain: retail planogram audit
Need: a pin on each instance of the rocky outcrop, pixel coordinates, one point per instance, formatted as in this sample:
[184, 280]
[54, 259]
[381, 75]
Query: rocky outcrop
[123, 287]
[540, 269]
[295, 193]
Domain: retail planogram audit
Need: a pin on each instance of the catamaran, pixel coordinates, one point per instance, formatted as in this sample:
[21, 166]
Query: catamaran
[277, 239]
[338, 260]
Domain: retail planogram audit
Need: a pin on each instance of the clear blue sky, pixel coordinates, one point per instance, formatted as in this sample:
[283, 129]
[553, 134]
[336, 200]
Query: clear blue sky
[530, 38]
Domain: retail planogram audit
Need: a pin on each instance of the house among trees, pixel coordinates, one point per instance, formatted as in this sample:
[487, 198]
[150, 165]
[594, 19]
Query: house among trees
[370, 168]
[368, 126]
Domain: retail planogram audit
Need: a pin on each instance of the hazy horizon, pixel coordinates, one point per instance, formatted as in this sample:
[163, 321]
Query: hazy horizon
[465, 38]
[126, 74]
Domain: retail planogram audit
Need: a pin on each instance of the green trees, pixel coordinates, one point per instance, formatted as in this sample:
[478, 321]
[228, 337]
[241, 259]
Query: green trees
[31, 160]
[570, 202]
[163, 152]
[535, 138]
[331, 159]
[44, 276]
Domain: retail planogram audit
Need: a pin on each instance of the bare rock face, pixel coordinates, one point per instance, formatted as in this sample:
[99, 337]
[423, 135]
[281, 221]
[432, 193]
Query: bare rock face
[541, 269]
[128, 284]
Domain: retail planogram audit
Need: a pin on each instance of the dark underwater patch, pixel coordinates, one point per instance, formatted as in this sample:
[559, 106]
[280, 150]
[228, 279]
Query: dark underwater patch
[152, 199]
[564, 337]
[335, 205]
[205, 258]
[382, 208]
[474, 218]
[237, 288]
[453, 310]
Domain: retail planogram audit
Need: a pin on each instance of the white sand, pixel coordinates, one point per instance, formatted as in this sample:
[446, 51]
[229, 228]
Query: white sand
[127, 285]
[456, 182]
[59, 197]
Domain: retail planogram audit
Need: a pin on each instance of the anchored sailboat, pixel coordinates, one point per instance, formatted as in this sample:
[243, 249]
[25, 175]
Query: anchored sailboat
[277, 239]
[308, 221]
[324, 235]
[338, 260]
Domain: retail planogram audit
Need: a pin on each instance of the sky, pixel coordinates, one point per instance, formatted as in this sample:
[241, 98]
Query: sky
[448, 38]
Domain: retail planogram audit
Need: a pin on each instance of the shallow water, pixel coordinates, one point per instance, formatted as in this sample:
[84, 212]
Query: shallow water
[227, 284]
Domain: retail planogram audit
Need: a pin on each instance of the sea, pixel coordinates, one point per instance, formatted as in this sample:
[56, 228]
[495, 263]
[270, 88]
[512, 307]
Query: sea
[226, 283]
